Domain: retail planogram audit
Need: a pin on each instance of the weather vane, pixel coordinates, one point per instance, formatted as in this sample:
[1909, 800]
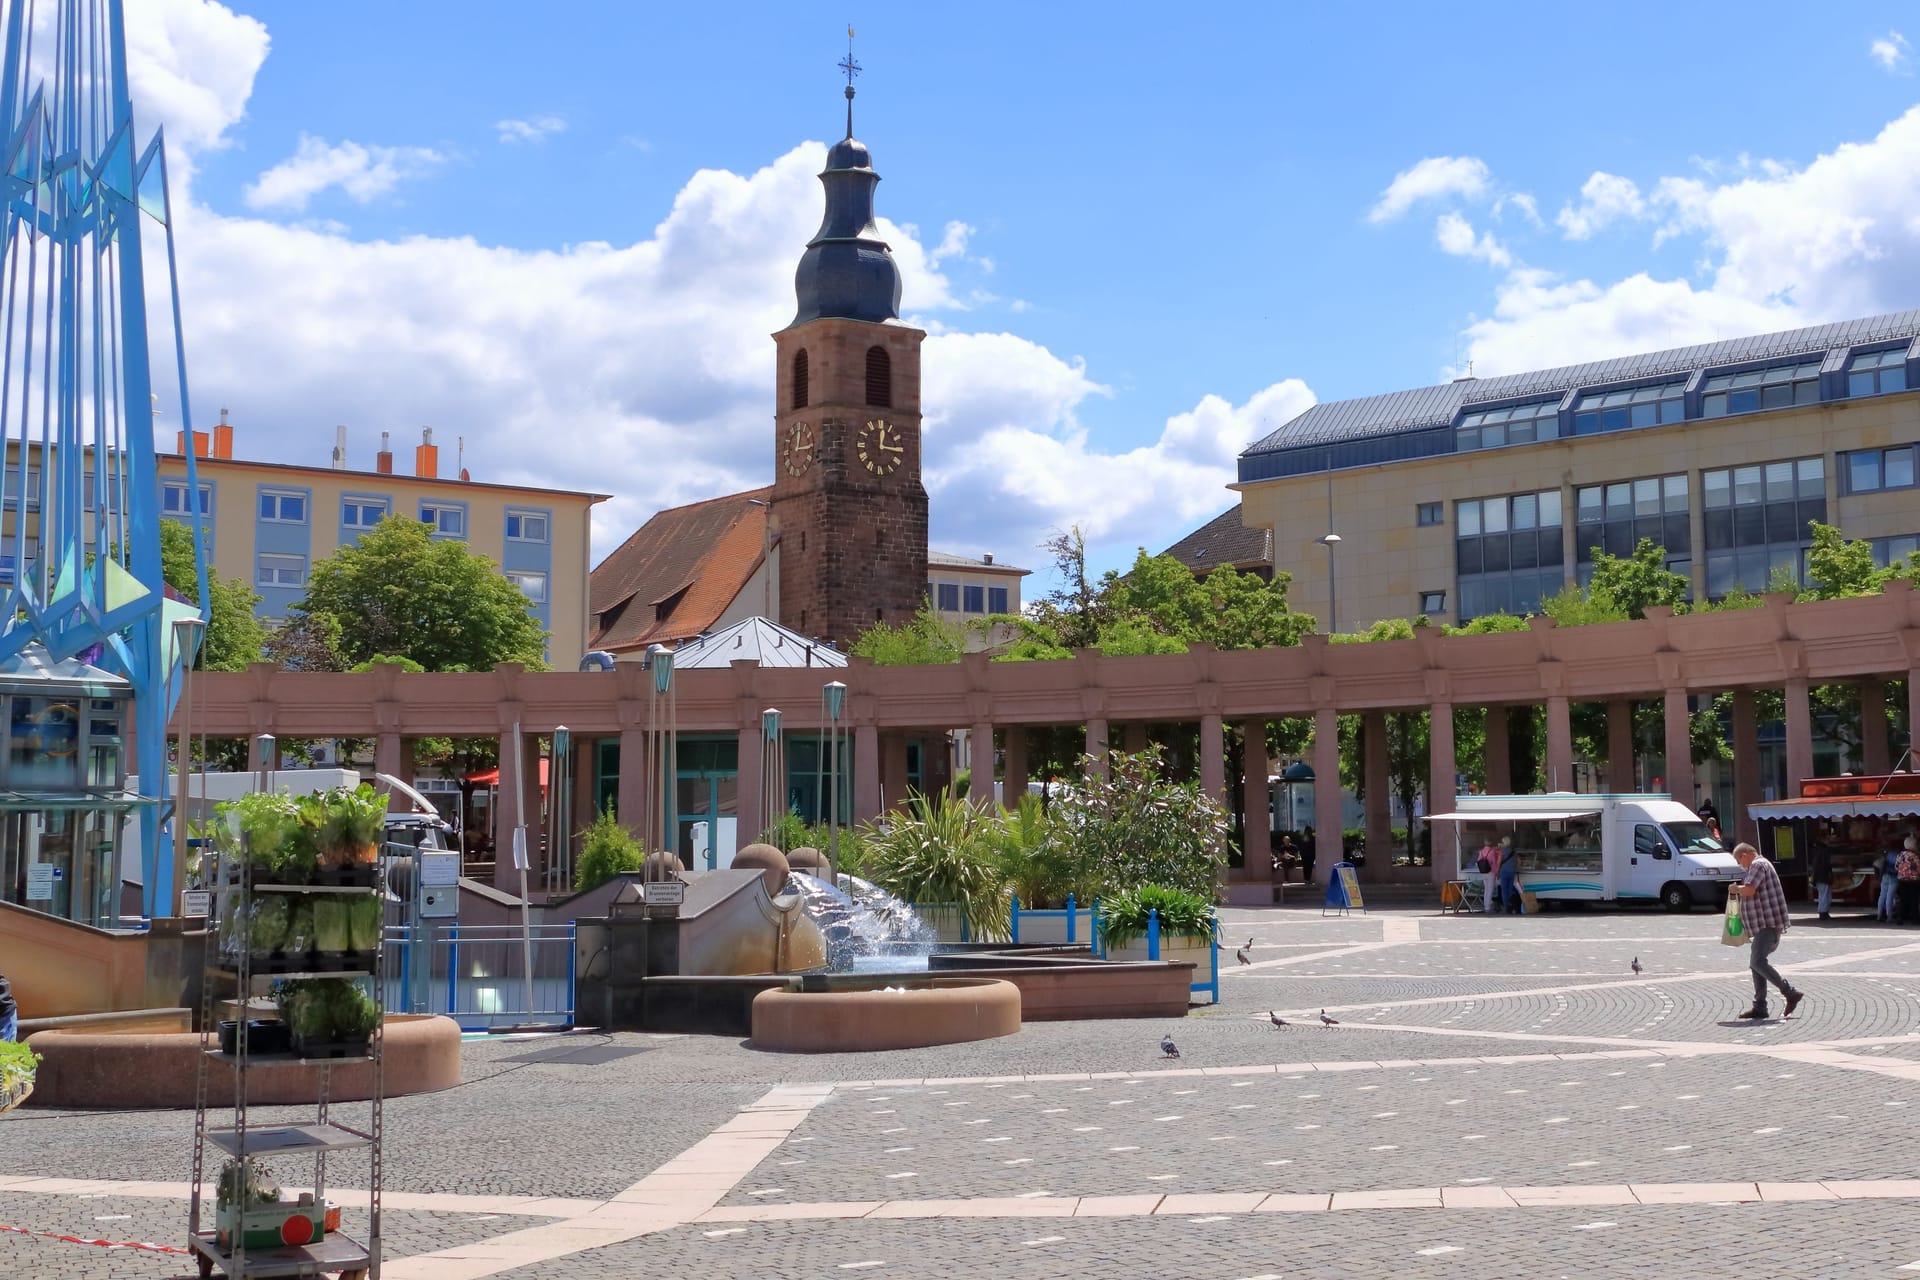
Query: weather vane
[852, 68]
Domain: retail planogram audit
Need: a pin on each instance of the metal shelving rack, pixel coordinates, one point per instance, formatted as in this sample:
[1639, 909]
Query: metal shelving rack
[335, 1252]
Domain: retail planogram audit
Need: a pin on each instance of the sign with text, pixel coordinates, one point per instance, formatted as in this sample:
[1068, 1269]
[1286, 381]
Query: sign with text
[40, 876]
[196, 902]
[439, 869]
[1350, 882]
[665, 893]
[1343, 890]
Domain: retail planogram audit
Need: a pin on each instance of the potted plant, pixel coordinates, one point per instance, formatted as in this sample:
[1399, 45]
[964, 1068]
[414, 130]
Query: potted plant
[941, 858]
[17, 1066]
[348, 842]
[328, 1017]
[248, 1209]
[346, 930]
[1186, 923]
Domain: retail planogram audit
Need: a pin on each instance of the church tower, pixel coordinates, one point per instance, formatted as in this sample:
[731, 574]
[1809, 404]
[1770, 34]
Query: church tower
[847, 496]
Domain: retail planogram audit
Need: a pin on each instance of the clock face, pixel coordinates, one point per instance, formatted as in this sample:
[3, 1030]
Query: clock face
[880, 446]
[796, 448]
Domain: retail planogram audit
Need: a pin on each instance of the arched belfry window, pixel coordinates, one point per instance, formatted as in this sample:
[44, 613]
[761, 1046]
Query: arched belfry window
[800, 379]
[879, 377]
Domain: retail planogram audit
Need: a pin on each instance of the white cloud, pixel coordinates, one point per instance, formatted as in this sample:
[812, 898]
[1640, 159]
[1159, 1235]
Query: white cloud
[1892, 53]
[363, 173]
[1605, 198]
[1455, 235]
[1433, 178]
[1782, 245]
[533, 129]
[1521, 200]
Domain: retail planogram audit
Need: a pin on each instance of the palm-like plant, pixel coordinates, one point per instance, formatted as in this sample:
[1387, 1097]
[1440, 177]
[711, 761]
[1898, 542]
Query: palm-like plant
[1038, 865]
[942, 854]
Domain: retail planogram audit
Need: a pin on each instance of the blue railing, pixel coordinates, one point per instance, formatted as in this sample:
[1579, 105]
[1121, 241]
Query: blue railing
[476, 974]
[1082, 923]
[1212, 985]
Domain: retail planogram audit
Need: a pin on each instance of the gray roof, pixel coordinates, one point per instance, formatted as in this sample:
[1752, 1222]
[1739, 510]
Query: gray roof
[953, 561]
[1427, 407]
[768, 644]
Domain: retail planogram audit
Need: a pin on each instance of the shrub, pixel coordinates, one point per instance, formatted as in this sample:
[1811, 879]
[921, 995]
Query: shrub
[940, 855]
[608, 850]
[1037, 863]
[789, 832]
[1134, 828]
[1123, 917]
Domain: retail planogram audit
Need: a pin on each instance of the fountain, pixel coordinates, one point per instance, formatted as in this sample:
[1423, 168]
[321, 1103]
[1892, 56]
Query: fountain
[867, 929]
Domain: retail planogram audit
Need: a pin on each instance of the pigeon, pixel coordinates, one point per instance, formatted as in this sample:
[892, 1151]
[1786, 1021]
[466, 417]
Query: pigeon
[1326, 1021]
[1277, 1020]
[1245, 954]
[1636, 964]
[1168, 1047]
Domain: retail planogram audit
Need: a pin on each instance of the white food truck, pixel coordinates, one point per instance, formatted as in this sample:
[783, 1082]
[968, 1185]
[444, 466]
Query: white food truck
[1599, 848]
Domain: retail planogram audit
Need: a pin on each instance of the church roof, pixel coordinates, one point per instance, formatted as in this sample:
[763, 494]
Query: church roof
[756, 640]
[1223, 540]
[675, 576]
[848, 272]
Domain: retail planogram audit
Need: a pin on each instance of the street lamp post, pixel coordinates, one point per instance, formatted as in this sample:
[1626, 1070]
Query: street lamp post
[773, 772]
[834, 697]
[1330, 540]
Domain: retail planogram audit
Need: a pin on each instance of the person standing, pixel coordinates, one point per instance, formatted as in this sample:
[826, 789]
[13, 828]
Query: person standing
[1509, 873]
[1906, 869]
[9, 1012]
[1889, 882]
[1764, 912]
[1820, 871]
[1309, 850]
[1488, 865]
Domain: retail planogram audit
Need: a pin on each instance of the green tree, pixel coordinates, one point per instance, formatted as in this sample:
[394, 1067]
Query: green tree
[404, 594]
[925, 638]
[234, 635]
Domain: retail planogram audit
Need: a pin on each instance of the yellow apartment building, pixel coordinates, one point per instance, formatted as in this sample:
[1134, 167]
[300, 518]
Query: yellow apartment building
[270, 521]
[1483, 495]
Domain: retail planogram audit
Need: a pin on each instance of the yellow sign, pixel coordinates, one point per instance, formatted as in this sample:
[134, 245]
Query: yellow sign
[1351, 883]
[1782, 843]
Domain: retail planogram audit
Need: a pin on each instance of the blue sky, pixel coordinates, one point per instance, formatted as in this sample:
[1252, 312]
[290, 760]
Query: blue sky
[1140, 238]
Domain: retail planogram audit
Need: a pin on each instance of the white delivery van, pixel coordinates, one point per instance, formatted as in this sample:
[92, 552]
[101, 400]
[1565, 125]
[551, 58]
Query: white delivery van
[1600, 848]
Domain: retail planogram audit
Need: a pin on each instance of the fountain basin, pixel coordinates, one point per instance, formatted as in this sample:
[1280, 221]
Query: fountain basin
[854, 1018]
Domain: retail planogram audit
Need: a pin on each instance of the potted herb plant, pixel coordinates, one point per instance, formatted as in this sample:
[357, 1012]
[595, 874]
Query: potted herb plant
[328, 1017]
[17, 1066]
[349, 835]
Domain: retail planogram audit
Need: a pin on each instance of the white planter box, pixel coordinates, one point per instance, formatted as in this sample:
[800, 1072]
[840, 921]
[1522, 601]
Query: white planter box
[1185, 950]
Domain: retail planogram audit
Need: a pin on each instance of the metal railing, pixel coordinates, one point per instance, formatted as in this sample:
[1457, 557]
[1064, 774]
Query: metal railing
[475, 974]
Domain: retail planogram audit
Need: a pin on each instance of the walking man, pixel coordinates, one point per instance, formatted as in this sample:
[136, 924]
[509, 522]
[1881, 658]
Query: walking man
[1764, 912]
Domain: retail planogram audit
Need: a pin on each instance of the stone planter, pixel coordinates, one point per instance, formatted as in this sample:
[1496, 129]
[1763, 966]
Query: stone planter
[1187, 950]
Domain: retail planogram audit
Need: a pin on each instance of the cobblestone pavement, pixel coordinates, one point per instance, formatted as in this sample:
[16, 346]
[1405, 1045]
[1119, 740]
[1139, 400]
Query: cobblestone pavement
[1519, 1060]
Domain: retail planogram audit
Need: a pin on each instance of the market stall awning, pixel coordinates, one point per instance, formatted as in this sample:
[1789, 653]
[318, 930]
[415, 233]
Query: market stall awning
[1840, 807]
[1517, 815]
[491, 777]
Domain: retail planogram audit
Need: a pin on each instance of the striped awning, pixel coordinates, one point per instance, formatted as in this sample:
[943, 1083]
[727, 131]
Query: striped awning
[1838, 807]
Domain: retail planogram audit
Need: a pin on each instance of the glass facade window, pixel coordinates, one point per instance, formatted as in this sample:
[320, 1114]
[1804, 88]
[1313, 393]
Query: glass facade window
[973, 599]
[283, 506]
[1430, 513]
[1521, 424]
[1756, 389]
[1507, 552]
[947, 597]
[362, 513]
[996, 599]
[1433, 602]
[449, 520]
[1871, 470]
[1654, 406]
[1891, 551]
[279, 570]
[526, 526]
[1877, 372]
[532, 585]
[1756, 522]
[33, 487]
[1614, 517]
[174, 500]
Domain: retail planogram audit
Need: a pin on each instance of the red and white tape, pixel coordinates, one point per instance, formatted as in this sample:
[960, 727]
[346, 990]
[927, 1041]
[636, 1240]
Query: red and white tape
[104, 1244]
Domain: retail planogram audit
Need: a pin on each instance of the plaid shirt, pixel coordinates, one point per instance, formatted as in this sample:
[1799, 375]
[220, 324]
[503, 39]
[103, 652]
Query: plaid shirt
[1767, 908]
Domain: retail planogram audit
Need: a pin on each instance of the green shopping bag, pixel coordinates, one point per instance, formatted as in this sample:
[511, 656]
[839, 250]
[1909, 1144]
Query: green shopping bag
[1733, 930]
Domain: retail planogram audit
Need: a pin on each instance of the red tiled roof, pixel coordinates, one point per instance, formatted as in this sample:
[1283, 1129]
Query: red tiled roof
[675, 576]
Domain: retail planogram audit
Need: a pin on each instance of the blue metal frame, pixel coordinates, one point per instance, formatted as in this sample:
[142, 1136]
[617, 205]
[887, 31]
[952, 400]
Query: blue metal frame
[75, 375]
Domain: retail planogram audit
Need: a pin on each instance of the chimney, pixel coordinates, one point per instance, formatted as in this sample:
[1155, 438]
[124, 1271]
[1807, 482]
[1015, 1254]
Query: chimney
[223, 436]
[339, 448]
[200, 443]
[426, 456]
[383, 461]
[987, 558]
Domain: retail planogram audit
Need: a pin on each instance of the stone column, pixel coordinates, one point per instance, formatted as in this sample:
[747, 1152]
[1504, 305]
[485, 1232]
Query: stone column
[1499, 753]
[1679, 748]
[1013, 768]
[1746, 767]
[748, 787]
[1620, 745]
[893, 769]
[866, 773]
[388, 752]
[1097, 743]
[1799, 735]
[1374, 762]
[1440, 793]
[510, 802]
[1559, 744]
[980, 764]
[1213, 759]
[1326, 793]
[1133, 736]
[630, 793]
[1913, 716]
[1873, 726]
[1257, 844]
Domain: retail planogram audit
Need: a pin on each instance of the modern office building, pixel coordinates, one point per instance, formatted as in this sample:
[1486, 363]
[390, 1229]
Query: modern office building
[1487, 494]
[270, 521]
